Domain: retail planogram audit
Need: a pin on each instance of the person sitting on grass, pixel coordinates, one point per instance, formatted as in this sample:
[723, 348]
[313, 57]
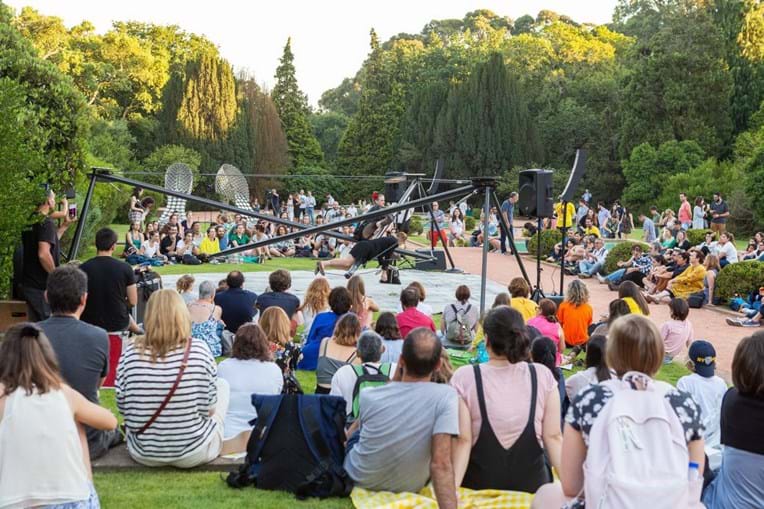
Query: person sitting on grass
[596, 368]
[547, 324]
[210, 244]
[514, 436]
[336, 351]
[188, 430]
[206, 319]
[387, 327]
[635, 269]
[632, 296]
[250, 370]
[384, 455]
[369, 351]
[678, 332]
[82, 349]
[635, 353]
[238, 304]
[502, 299]
[593, 260]
[364, 251]
[411, 318]
[616, 309]
[544, 352]
[422, 306]
[315, 301]
[279, 281]
[520, 292]
[184, 286]
[575, 315]
[364, 307]
[707, 390]
[323, 327]
[43, 449]
[739, 483]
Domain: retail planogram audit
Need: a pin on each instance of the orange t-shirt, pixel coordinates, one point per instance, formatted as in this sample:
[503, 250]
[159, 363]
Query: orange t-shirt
[575, 322]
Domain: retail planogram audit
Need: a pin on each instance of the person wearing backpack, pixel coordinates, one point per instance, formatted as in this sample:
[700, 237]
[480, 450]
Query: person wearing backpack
[632, 441]
[351, 379]
[460, 319]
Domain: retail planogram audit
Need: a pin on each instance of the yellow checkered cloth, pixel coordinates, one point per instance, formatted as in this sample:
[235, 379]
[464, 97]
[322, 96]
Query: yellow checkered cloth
[425, 499]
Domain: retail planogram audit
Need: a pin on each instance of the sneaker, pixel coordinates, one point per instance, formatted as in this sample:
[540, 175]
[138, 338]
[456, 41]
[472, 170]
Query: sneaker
[750, 323]
[601, 279]
[613, 287]
[735, 322]
[584, 275]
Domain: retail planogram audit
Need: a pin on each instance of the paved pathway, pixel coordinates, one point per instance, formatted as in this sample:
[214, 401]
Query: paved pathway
[708, 323]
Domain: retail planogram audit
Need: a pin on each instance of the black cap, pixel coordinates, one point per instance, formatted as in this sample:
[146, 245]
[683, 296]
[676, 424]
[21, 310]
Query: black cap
[703, 356]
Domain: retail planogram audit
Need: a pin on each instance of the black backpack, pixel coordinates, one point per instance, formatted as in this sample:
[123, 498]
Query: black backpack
[297, 446]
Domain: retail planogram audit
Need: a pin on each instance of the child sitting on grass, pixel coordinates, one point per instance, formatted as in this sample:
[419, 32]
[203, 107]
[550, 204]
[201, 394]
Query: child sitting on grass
[575, 316]
[677, 332]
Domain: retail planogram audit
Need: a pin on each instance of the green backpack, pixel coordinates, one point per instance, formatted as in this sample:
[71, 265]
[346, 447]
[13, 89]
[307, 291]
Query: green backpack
[368, 376]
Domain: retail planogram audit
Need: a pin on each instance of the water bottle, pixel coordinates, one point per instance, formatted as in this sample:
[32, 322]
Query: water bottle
[693, 472]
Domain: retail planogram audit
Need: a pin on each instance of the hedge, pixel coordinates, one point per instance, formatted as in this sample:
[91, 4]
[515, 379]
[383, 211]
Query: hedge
[548, 239]
[698, 236]
[415, 225]
[470, 223]
[620, 253]
[741, 278]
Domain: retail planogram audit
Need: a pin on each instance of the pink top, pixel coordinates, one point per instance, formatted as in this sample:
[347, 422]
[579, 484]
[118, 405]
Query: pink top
[685, 213]
[676, 334]
[412, 318]
[508, 410]
[550, 330]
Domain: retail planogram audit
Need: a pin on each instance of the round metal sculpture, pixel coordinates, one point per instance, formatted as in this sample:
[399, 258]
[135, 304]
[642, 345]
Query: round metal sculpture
[233, 187]
[179, 178]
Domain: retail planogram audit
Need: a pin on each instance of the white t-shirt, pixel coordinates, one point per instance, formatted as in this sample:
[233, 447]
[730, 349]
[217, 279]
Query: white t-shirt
[729, 250]
[247, 377]
[580, 380]
[343, 382]
[150, 251]
[707, 393]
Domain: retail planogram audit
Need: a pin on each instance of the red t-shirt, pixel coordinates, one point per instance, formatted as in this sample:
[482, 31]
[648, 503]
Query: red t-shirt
[412, 318]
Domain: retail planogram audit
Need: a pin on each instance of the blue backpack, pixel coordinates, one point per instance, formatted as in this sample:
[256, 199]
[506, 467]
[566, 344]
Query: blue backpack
[296, 446]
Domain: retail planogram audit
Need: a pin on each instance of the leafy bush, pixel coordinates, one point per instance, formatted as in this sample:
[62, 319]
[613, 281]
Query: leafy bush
[620, 253]
[548, 239]
[741, 278]
[415, 225]
[470, 223]
[697, 236]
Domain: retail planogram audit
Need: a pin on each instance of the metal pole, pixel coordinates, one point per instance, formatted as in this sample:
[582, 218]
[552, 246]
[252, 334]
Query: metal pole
[434, 227]
[484, 271]
[562, 246]
[83, 216]
[503, 224]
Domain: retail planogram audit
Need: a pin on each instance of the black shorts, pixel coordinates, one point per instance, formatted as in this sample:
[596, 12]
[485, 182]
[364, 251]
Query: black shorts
[362, 252]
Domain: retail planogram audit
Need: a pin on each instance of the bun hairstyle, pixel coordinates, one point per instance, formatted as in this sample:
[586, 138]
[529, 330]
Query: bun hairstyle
[506, 334]
[375, 196]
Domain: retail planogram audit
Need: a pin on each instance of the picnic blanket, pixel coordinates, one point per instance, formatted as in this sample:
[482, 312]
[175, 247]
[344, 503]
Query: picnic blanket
[425, 499]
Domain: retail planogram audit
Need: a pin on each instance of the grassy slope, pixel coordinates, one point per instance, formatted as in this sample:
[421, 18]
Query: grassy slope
[148, 489]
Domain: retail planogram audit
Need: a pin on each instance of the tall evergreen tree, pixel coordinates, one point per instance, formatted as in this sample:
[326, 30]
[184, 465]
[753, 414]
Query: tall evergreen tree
[292, 107]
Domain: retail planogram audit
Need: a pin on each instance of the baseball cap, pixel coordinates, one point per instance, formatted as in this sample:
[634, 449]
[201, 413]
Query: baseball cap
[703, 356]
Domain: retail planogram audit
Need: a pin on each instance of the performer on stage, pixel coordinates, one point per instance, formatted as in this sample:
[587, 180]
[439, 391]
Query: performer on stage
[382, 249]
[366, 229]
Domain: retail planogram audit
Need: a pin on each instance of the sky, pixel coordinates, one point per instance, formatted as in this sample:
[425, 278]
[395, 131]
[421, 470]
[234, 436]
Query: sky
[330, 38]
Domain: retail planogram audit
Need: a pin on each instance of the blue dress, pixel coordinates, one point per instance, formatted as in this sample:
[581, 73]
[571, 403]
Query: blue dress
[322, 327]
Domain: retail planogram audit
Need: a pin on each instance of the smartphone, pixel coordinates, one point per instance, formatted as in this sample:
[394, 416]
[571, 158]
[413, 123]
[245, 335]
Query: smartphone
[72, 210]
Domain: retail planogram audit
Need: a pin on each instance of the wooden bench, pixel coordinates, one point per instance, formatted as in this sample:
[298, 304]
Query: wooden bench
[11, 313]
[119, 459]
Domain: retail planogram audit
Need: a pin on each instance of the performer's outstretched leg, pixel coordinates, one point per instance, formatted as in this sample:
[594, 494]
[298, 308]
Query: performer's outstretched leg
[340, 263]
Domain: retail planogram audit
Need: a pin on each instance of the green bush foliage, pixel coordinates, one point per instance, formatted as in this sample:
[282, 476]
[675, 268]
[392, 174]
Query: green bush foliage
[698, 236]
[741, 278]
[415, 225]
[548, 239]
[620, 253]
[470, 223]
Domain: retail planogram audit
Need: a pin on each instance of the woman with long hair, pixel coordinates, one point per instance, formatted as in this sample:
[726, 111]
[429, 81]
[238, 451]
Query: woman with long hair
[456, 228]
[632, 295]
[44, 457]
[250, 370]
[575, 315]
[363, 306]
[504, 445]
[315, 301]
[188, 430]
[336, 351]
[596, 367]
[616, 309]
[711, 263]
[277, 328]
[134, 238]
[548, 325]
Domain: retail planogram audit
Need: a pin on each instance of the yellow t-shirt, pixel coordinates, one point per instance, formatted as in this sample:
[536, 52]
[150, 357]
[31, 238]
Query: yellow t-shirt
[209, 247]
[592, 231]
[570, 216]
[633, 306]
[526, 307]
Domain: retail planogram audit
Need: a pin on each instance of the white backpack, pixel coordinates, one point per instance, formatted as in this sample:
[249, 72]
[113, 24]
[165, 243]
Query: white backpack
[458, 330]
[637, 455]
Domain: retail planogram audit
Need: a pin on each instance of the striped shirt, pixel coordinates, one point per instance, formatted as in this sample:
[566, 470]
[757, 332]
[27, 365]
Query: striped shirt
[185, 424]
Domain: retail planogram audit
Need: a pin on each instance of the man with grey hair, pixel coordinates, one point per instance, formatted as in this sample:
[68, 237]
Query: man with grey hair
[349, 380]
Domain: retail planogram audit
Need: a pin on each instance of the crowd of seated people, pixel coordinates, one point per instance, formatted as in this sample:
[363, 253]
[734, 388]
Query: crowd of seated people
[459, 430]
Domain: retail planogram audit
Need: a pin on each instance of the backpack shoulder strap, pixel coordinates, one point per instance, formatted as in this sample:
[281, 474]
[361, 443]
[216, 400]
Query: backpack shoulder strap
[385, 368]
[267, 409]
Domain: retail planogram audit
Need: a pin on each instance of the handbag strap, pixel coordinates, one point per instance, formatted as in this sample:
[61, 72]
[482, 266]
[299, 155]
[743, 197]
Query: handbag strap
[183, 365]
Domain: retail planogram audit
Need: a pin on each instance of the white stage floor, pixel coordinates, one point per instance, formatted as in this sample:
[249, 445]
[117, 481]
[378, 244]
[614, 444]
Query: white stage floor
[440, 286]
